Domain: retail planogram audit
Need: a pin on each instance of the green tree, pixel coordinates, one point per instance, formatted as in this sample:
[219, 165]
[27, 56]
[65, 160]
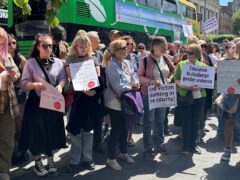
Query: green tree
[52, 7]
[236, 22]
[3, 4]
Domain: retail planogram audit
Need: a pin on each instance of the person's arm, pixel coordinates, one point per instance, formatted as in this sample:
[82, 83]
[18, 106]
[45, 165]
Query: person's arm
[62, 78]
[27, 83]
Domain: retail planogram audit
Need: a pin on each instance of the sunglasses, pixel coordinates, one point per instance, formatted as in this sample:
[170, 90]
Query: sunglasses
[129, 44]
[122, 48]
[228, 47]
[45, 46]
[12, 43]
[203, 46]
[190, 53]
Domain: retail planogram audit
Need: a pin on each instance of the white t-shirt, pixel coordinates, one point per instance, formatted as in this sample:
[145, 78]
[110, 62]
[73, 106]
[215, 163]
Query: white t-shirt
[164, 69]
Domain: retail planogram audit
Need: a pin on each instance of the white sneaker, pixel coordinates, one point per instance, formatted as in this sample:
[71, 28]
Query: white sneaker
[4, 176]
[114, 165]
[127, 158]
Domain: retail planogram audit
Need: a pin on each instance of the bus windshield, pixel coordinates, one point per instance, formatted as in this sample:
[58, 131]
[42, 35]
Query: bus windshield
[28, 29]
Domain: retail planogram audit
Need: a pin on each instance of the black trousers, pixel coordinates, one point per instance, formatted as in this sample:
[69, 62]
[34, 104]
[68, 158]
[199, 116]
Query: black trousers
[191, 116]
[97, 131]
[118, 134]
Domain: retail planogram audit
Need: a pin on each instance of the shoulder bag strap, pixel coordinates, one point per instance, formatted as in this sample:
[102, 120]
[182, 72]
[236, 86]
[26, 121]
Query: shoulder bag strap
[159, 71]
[42, 68]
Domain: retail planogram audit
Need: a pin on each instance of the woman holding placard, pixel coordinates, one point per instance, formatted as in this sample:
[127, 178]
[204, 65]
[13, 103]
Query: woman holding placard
[155, 69]
[86, 107]
[42, 129]
[190, 110]
[232, 53]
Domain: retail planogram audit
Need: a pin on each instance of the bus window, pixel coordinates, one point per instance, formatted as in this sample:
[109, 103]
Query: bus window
[191, 13]
[143, 2]
[169, 5]
[182, 10]
[156, 4]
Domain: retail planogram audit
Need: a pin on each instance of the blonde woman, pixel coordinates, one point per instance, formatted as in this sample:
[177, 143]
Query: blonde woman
[120, 75]
[85, 108]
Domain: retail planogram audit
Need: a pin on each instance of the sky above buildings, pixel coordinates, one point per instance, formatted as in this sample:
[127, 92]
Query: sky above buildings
[224, 2]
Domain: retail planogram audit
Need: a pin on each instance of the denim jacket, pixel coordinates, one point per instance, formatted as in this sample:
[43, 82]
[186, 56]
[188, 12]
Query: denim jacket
[118, 83]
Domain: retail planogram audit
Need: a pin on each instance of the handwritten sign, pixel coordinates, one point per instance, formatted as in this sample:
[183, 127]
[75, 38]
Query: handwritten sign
[162, 96]
[52, 99]
[84, 75]
[228, 74]
[203, 76]
[210, 25]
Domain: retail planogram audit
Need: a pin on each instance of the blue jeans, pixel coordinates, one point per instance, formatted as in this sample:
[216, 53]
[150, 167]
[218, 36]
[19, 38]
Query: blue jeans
[153, 128]
[81, 148]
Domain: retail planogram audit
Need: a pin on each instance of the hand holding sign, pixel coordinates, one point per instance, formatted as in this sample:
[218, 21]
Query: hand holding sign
[51, 98]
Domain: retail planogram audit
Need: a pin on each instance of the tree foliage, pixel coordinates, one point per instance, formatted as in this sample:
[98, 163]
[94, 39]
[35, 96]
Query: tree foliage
[3, 4]
[51, 9]
[236, 22]
[218, 38]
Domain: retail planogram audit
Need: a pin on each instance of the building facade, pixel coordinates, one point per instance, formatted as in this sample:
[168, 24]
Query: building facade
[235, 5]
[225, 20]
[207, 9]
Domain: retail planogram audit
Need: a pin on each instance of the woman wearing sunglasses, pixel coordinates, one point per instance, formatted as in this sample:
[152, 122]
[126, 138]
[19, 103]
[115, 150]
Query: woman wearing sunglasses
[190, 114]
[230, 119]
[42, 129]
[134, 60]
[119, 75]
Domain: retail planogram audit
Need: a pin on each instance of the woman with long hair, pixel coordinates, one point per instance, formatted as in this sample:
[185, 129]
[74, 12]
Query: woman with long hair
[20, 61]
[9, 109]
[85, 107]
[42, 129]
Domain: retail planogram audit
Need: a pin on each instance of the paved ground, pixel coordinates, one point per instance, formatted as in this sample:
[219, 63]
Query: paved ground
[173, 166]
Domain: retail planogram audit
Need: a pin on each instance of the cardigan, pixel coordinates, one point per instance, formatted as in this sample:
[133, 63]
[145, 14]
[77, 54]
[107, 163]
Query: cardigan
[146, 77]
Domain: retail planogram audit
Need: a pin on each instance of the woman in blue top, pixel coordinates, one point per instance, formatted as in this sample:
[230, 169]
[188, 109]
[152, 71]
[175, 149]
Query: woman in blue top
[121, 78]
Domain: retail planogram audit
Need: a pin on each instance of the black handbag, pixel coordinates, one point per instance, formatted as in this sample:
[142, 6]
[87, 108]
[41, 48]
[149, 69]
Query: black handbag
[185, 100]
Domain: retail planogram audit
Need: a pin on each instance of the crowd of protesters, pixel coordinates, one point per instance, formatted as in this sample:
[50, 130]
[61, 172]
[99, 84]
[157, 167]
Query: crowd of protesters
[124, 70]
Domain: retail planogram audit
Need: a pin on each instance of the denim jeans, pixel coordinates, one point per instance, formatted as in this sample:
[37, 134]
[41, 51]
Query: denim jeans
[153, 128]
[81, 147]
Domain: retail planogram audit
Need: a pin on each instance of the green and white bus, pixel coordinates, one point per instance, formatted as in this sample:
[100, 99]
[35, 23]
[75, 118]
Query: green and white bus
[140, 18]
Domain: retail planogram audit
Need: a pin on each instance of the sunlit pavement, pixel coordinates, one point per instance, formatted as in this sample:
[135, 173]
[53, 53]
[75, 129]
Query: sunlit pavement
[173, 166]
